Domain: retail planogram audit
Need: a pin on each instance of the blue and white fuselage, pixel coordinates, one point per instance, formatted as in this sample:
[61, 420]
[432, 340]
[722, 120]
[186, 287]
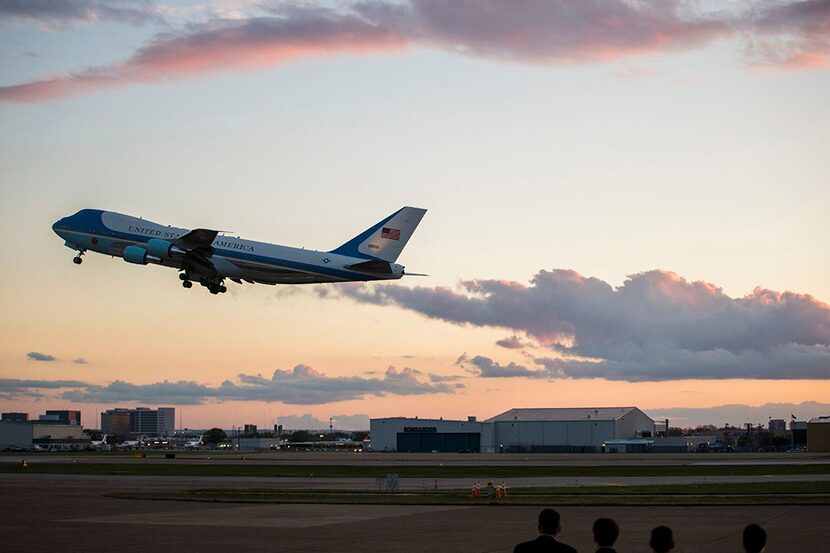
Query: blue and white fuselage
[208, 257]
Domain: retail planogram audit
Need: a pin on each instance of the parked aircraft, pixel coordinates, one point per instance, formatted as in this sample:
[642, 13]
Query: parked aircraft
[210, 256]
[101, 444]
[193, 444]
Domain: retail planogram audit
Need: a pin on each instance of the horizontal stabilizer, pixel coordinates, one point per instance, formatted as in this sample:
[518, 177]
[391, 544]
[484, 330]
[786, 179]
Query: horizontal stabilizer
[375, 266]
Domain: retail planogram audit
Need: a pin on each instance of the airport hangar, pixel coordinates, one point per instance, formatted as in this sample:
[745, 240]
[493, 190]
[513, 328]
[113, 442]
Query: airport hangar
[546, 430]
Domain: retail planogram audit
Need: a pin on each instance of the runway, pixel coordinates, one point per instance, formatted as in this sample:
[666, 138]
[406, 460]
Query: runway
[72, 513]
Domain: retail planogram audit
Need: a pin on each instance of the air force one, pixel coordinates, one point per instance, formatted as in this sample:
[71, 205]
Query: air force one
[210, 256]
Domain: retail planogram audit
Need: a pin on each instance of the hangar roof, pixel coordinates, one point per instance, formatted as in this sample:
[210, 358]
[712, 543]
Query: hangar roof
[563, 414]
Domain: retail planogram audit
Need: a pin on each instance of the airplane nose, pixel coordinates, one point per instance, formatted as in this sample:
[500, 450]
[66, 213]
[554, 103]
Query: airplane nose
[58, 225]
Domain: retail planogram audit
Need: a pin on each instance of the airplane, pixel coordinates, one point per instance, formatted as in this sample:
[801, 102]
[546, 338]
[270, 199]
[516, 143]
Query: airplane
[193, 444]
[100, 444]
[210, 256]
[130, 444]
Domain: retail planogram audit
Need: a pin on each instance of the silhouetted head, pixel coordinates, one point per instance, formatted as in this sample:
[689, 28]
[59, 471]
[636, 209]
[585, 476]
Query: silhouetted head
[549, 522]
[755, 538]
[662, 539]
[606, 532]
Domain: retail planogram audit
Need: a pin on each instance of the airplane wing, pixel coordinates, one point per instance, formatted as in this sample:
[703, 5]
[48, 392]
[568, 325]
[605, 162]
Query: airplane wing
[197, 238]
[197, 244]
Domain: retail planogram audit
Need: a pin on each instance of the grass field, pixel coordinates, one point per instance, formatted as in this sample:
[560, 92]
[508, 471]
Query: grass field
[147, 467]
[767, 493]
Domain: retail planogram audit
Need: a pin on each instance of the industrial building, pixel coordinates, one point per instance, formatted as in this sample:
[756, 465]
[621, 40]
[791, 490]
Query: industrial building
[546, 430]
[139, 421]
[32, 435]
[818, 435]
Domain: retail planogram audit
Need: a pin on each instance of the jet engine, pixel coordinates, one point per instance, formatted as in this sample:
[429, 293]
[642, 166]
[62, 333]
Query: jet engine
[163, 249]
[139, 256]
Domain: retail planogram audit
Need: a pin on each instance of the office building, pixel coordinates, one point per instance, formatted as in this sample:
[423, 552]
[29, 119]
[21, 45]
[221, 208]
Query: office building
[139, 421]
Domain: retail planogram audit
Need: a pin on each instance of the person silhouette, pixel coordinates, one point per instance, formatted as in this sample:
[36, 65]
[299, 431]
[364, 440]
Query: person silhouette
[549, 528]
[606, 533]
[662, 539]
[755, 538]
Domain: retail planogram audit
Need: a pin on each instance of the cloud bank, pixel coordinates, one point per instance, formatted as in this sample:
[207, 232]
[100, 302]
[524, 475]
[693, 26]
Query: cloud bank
[790, 34]
[310, 422]
[56, 13]
[12, 388]
[302, 385]
[739, 414]
[656, 326]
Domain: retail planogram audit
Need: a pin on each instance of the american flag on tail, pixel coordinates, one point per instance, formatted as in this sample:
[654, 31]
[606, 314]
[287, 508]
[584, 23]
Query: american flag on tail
[390, 233]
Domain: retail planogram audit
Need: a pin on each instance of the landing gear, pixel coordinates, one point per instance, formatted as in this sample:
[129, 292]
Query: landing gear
[185, 278]
[77, 259]
[214, 284]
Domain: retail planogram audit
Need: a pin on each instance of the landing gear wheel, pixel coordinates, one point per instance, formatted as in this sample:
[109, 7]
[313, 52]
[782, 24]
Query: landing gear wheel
[213, 289]
[187, 283]
[77, 260]
[183, 276]
[222, 289]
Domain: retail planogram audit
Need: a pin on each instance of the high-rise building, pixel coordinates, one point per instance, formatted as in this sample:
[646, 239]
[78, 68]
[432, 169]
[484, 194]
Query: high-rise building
[139, 421]
[777, 426]
[15, 417]
[250, 429]
[167, 421]
[116, 422]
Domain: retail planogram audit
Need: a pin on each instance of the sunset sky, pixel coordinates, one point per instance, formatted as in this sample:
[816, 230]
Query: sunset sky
[628, 204]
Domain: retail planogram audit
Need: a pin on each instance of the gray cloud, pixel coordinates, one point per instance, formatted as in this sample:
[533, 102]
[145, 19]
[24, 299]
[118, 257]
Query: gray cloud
[789, 34]
[64, 12]
[550, 31]
[656, 326]
[511, 342]
[487, 368]
[80, 361]
[12, 388]
[38, 356]
[738, 414]
[302, 385]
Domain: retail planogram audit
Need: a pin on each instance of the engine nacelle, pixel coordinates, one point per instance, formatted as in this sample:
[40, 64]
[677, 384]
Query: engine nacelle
[163, 249]
[139, 256]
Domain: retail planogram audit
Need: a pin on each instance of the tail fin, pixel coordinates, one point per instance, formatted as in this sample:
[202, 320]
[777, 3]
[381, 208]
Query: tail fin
[386, 239]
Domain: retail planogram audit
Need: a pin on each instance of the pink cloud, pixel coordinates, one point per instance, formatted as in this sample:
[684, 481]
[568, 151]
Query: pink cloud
[793, 35]
[656, 326]
[227, 45]
[790, 35]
